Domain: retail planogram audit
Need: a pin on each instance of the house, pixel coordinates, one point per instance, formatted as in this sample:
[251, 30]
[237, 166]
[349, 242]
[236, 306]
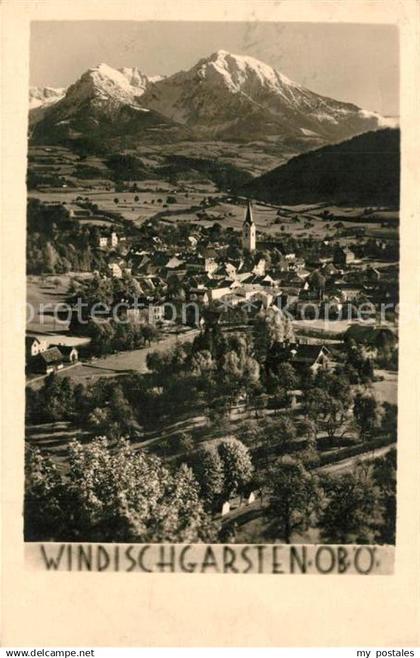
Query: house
[119, 267]
[69, 353]
[297, 265]
[79, 212]
[265, 298]
[210, 263]
[218, 289]
[115, 270]
[138, 309]
[173, 263]
[47, 362]
[329, 270]
[156, 313]
[300, 356]
[108, 240]
[294, 280]
[343, 256]
[372, 274]
[34, 346]
[349, 290]
[259, 266]
[225, 270]
[143, 264]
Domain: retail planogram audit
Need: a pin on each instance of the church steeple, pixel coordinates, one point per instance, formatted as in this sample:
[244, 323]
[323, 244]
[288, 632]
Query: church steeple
[249, 231]
[248, 214]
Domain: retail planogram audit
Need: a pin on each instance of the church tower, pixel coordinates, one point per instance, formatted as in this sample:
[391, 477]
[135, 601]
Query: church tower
[249, 232]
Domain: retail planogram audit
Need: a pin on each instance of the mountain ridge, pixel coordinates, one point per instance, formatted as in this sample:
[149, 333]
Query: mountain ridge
[216, 95]
[362, 170]
[226, 97]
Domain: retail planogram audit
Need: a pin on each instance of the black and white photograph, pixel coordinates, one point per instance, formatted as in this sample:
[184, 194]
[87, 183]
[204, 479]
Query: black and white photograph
[212, 268]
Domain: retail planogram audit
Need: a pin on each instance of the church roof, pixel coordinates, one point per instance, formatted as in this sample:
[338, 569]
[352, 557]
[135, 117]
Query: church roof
[248, 215]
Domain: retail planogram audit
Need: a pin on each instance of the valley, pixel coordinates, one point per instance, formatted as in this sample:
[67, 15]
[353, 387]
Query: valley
[221, 269]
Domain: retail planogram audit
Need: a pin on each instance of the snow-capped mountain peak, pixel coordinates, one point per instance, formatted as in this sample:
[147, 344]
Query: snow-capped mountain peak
[135, 77]
[237, 96]
[104, 100]
[103, 83]
[223, 96]
[98, 94]
[238, 71]
[106, 81]
[40, 96]
[222, 73]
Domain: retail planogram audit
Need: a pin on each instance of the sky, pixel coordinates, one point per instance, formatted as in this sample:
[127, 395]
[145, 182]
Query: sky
[348, 62]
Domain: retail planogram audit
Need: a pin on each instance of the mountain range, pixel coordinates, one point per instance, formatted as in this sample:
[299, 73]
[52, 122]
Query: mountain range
[224, 97]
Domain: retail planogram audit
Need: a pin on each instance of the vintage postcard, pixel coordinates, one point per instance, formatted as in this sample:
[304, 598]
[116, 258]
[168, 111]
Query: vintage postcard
[214, 277]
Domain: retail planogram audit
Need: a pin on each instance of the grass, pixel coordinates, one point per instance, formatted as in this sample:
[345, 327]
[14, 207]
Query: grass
[47, 291]
[387, 389]
[123, 362]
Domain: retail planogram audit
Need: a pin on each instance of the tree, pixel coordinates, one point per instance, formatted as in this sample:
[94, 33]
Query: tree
[237, 466]
[366, 414]
[209, 472]
[353, 512]
[118, 495]
[270, 327]
[336, 384]
[317, 281]
[99, 420]
[390, 418]
[295, 496]
[307, 429]
[55, 400]
[119, 407]
[43, 497]
[286, 376]
[150, 333]
[116, 201]
[251, 432]
[184, 442]
[327, 412]
[280, 433]
[357, 361]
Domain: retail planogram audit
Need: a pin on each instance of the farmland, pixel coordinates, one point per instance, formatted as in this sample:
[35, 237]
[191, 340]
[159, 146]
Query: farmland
[148, 197]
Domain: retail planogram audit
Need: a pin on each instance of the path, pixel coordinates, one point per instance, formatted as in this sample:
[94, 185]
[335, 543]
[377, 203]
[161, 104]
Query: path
[347, 464]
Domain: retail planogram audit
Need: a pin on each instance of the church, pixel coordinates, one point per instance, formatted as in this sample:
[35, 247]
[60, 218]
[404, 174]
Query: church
[249, 231]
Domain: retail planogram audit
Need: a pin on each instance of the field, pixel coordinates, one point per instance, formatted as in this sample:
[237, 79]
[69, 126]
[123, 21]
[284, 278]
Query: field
[151, 200]
[43, 293]
[186, 195]
[123, 362]
[253, 157]
[387, 389]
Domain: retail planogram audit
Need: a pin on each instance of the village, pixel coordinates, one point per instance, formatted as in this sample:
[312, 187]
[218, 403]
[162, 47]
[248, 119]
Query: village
[277, 314]
[162, 281]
